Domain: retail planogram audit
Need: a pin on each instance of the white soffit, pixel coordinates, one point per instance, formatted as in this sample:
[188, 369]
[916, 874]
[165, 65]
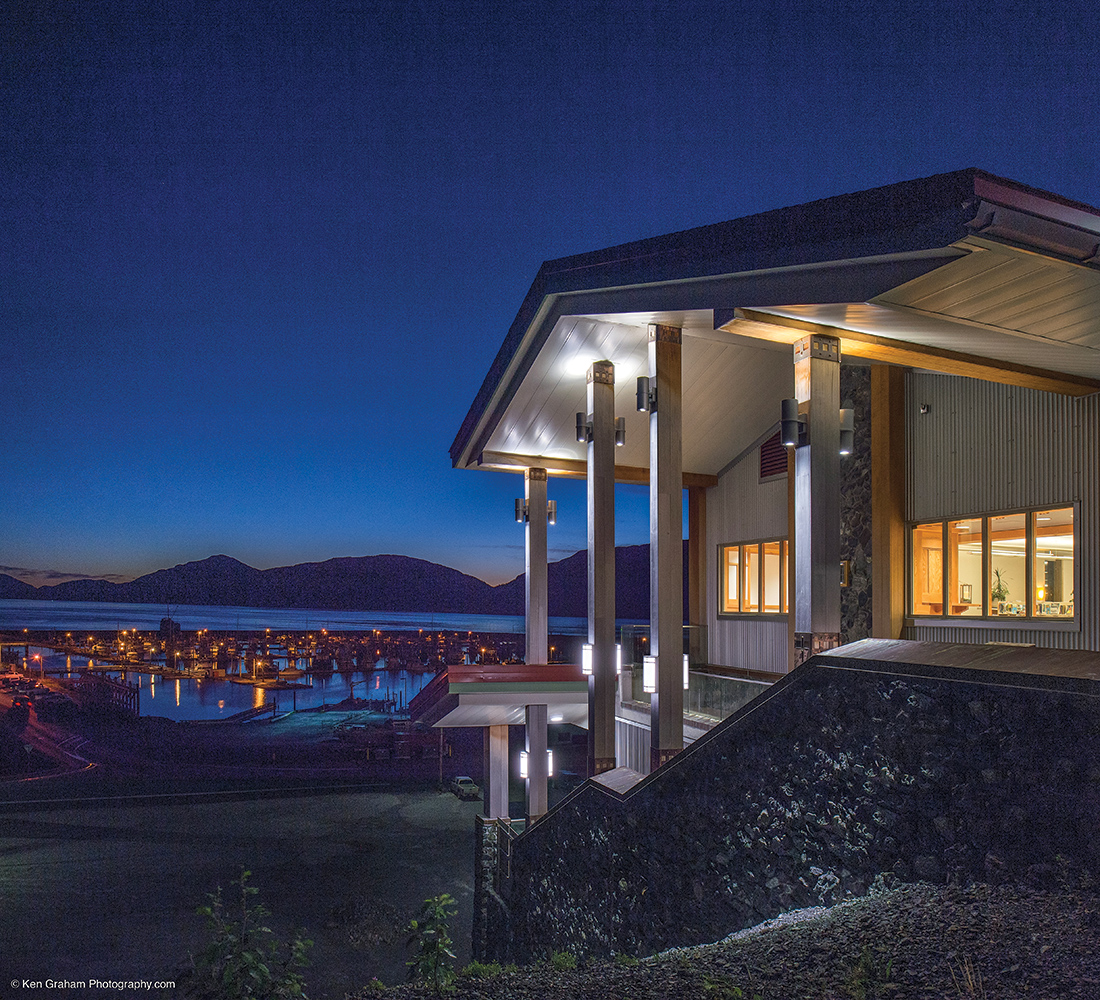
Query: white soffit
[731, 389]
[996, 302]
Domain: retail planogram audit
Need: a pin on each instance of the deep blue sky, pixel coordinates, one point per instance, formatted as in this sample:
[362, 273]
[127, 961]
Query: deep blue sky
[257, 258]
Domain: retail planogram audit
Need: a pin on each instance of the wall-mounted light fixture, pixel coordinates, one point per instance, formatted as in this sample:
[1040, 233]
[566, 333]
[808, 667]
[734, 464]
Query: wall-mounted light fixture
[791, 424]
[847, 428]
[584, 427]
[647, 395]
[523, 512]
[649, 674]
[586, 659]
[620, 431]
[549, 763]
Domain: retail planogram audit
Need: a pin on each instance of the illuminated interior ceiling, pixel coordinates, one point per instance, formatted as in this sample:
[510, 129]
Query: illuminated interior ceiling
[1012, 296]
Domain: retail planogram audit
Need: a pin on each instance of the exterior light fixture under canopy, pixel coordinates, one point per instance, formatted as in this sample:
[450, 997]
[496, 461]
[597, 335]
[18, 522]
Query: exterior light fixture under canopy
[586, 659]
[649, 674]
[686, 675]
[523, 764]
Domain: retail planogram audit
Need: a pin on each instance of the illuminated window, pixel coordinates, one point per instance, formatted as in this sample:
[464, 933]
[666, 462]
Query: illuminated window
[1008, 565]
[964, 567]
[1052, 571]
[928, 569]
[753, 578]
[750, 579]
[1016, 565]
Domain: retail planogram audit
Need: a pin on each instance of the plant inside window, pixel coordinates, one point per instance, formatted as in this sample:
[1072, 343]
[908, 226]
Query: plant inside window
[999, 590]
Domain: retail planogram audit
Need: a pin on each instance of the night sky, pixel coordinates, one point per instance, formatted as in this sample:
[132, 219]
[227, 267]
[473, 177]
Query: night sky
[257, 258]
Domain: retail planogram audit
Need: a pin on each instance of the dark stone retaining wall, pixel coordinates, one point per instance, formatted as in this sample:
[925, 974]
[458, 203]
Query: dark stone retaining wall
[834, 775]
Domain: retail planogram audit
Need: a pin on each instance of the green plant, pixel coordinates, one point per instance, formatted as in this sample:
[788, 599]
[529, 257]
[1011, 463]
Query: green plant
[999, 590]
[625, 960]
[430, 935]
[481, 970]
[868, 974]
[245, 960]
[968, 981]
[562, 961]
[722, 988]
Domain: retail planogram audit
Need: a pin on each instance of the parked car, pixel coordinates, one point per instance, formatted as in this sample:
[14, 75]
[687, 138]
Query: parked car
[464, 787]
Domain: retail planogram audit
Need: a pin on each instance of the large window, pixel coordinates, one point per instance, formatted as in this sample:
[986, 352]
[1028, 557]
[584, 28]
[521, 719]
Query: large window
[1013, 565]
[753, 578]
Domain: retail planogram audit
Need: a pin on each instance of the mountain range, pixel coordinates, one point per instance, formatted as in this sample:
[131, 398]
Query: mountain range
[363, 583]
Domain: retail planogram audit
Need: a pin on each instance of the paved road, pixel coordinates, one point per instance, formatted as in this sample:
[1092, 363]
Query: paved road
[110, 891]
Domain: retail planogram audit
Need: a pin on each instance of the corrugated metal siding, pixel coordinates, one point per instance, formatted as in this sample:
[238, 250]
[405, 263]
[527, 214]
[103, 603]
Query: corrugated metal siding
[741, 508]
[983, 447]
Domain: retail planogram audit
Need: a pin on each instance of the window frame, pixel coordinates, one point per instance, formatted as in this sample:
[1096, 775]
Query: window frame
[784, 579]
[1030, 620]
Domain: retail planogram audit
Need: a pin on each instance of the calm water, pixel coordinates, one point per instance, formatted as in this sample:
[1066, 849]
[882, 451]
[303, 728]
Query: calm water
[92, 615]
[187, 698]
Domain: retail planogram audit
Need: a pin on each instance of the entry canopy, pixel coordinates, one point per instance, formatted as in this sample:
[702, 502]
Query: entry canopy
[962, 273]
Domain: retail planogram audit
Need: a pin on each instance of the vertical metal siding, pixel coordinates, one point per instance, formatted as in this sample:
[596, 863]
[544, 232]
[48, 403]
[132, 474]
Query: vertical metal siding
[984, 447]
[741, 508]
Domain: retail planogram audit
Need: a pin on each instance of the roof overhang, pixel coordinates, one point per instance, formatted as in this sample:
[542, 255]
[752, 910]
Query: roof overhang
[962, 273]
[498, 696]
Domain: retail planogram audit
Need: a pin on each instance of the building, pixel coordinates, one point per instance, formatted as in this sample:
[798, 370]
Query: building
[956, 318]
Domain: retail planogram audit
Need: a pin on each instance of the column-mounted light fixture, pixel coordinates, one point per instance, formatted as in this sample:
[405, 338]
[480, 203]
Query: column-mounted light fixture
[647, 396]
[620, 431]
[649, 674]
[523, 512]
[792, 426]
[584, 428]
[686, 676]
[618, 658]
[847, 428]
[586, 659]
[549, 763]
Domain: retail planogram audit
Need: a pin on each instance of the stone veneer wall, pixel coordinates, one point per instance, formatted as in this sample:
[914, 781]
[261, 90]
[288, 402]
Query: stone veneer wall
[855, 508]
[836, 774]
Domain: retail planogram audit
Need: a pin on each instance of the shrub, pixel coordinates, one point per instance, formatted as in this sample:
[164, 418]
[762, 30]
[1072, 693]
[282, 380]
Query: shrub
[562, 961]
[244, 959]
[431, 937]
[482, 970]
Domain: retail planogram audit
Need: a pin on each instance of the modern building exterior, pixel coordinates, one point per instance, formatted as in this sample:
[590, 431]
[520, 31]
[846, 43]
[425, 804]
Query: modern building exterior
[944, 333]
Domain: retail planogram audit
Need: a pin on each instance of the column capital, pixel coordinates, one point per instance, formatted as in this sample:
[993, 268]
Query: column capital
[535, 475]
[601, 372]
[817, 345]
[665, 334]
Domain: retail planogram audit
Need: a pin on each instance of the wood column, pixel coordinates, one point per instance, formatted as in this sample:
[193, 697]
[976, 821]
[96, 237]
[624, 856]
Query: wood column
[817, 497]
[666, 544]
[536, 594]
[887, 501]
[495, 792]
[601, 566]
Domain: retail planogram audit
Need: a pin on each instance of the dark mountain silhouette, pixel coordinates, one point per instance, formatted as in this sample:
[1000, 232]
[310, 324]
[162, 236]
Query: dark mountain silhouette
[12, 589]
[364, 583]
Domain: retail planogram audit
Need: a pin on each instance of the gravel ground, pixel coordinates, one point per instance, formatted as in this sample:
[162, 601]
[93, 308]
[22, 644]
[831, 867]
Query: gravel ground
[913, 941]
